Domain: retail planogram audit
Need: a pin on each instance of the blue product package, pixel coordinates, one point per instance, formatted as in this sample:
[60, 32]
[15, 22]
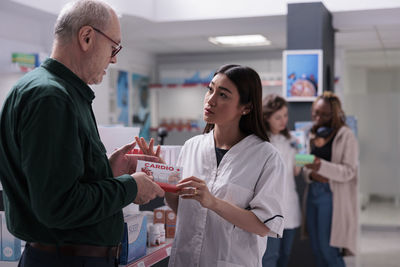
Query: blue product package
[135, 237]
[10, 245]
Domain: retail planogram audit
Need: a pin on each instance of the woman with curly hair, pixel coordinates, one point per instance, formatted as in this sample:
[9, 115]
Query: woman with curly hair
[331, 196]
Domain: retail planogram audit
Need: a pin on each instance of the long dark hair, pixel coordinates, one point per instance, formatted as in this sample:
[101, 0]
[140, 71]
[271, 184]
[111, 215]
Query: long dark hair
[338, 116]
[271, 104]
[248, 83]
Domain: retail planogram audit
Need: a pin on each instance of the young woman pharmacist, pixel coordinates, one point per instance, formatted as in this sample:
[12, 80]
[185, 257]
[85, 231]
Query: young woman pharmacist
[232, 197]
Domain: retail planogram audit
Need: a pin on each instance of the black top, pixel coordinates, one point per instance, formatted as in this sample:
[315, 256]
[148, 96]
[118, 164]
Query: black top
[323, 152]
[220, 153]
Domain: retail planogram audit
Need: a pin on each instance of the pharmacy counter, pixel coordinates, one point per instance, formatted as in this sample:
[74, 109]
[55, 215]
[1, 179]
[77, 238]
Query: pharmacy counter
[153, 255]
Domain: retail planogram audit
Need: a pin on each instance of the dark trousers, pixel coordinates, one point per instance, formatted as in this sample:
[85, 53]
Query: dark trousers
[278, 250]
[319, 221]
[33, 257]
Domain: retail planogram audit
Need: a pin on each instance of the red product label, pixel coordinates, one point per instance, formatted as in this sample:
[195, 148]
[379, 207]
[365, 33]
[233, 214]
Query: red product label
[160, 166]
[168, 187]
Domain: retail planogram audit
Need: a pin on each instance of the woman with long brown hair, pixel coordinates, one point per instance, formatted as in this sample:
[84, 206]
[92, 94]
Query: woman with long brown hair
[331, 197]
[232, 197]
[275, 110]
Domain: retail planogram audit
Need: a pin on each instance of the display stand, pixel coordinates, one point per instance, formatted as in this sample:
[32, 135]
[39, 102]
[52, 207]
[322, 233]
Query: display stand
[153, 255]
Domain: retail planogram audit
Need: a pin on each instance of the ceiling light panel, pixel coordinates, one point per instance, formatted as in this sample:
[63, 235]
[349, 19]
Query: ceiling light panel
[240, 40]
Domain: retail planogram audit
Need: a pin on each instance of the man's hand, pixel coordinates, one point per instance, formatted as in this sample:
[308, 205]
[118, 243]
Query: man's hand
[122, 163]
[146, 188]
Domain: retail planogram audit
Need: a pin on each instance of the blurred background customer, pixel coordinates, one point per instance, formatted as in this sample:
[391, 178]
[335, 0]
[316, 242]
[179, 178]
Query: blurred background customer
[275, 113]
[331, 196]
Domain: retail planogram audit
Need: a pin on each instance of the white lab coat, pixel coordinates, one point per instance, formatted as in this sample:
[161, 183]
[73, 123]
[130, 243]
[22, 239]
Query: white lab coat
[250, 175]
[291, 203]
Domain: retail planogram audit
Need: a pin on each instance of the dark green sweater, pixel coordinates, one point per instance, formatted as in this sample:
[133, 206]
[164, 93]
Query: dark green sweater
[58, 183]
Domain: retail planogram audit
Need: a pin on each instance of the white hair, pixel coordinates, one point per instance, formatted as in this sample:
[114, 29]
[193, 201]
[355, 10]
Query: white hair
[75, 15]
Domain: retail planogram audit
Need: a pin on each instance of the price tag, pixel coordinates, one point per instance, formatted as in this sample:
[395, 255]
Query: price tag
[141, 264]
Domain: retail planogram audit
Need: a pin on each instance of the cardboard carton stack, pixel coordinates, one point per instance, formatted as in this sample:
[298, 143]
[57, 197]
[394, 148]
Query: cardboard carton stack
[167, 217]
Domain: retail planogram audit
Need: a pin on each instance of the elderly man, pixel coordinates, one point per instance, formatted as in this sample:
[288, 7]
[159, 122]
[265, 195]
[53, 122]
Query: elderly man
[62, 195]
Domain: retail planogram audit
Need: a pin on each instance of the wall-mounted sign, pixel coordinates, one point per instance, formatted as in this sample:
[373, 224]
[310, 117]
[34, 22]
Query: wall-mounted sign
[302, 74]
[25, 62]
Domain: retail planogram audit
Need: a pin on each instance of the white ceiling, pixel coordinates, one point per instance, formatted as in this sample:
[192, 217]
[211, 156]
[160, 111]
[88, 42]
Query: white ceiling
[373, 29]
[356, 30]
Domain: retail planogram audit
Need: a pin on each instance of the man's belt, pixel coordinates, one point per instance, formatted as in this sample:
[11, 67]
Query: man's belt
[79, 250]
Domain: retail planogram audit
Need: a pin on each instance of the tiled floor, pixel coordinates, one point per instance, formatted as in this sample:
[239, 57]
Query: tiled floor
[380, 247]
[380, 236]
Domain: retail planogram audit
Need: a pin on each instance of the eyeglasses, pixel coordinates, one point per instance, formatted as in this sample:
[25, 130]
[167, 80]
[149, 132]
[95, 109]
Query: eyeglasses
[116, 48]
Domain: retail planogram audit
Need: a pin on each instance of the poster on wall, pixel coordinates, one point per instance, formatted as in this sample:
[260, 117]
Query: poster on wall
[141, 107]
[302, 74]
[123, 98]
[25, 62]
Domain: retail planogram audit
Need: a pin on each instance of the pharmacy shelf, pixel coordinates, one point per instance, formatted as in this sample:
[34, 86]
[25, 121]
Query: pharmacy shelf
[8, 263]
[12, 263]
[153, 255]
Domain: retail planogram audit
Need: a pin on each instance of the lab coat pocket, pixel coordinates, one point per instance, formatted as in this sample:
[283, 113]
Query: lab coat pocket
[245, 247]
[227, 264]
[238, 195]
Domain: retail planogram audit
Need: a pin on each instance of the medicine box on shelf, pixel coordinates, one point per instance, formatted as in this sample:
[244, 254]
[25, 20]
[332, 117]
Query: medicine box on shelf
[10, 245]
[135, 236]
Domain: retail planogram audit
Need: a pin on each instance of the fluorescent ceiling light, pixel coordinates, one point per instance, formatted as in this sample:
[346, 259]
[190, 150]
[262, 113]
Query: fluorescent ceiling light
[240, 40]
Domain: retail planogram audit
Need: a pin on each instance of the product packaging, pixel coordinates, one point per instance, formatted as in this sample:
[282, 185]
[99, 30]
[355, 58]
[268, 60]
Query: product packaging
[167, 176]
[153, 235]
[303, 159]
[135, 236]
[170, 223]
[159, 215]
[161, 228]
[10, 245]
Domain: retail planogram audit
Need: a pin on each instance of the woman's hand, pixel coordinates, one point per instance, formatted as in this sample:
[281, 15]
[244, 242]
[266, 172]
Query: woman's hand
[195, 188]
[296, 170]
[318, 178]
[315, 165]
[148, 149]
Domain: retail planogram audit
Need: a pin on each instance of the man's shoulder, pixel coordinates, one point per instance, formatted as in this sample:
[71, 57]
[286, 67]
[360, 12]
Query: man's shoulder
[41, 83]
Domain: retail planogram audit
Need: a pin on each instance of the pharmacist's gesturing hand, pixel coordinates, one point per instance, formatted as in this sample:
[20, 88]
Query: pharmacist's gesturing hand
[148, 149]
[123, 163]
[146, 188]
[195, 188]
